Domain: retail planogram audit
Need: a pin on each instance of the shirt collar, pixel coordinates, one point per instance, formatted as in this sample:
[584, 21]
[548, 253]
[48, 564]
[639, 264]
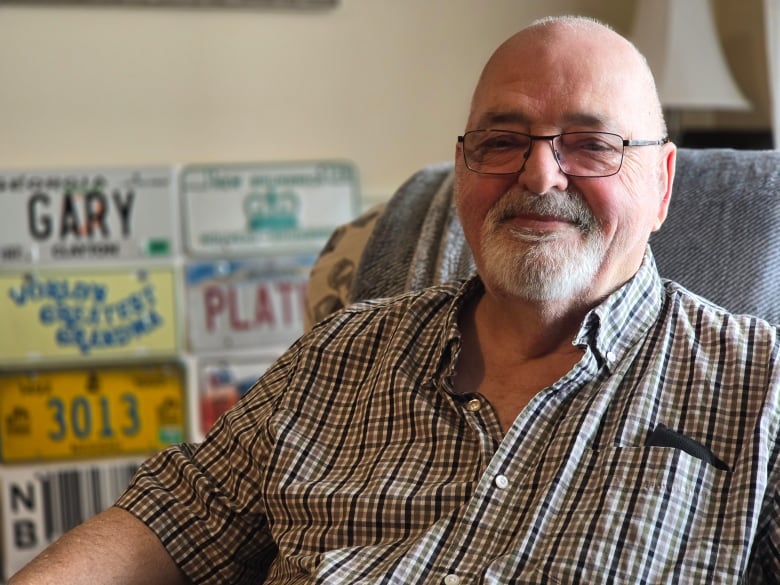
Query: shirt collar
[623, 318]
[609, 329]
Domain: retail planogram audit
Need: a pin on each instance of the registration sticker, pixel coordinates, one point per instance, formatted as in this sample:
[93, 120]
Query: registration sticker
[88, 215]
[87, 314]
[223, 382]
[246, 303]
[286, 208]
[90, 411]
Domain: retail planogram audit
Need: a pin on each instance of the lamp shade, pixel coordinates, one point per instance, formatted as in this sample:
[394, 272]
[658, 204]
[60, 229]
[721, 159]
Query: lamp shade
[680, 42]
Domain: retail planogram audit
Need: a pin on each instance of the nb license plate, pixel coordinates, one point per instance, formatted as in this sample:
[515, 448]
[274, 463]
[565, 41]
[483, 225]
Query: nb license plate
[41, 501]
[90, 412]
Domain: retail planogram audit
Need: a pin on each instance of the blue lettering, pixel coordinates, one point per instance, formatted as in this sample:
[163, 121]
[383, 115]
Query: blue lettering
[63, 337]
[81, 291]
[100, 292]
[74, 333]
[148, 292]
[80, 339]
[47, 315]
[155, 318]
[57, 290]
[70, 315]
[136, 302]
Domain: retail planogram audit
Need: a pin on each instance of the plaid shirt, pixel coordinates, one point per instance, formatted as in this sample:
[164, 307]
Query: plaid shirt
[353, 461]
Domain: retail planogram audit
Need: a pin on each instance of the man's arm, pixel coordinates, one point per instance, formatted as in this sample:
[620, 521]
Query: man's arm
[112, 547]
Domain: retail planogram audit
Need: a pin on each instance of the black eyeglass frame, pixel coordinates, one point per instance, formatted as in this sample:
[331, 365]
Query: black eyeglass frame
[551, 138]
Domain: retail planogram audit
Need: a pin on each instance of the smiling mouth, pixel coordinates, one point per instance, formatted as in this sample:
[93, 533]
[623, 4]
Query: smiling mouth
[549, 226]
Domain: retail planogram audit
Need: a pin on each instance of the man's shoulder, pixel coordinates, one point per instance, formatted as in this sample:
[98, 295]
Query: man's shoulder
[428, 302]
[707, 313]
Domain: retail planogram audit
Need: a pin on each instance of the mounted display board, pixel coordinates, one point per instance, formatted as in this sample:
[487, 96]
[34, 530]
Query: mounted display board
[104, 274]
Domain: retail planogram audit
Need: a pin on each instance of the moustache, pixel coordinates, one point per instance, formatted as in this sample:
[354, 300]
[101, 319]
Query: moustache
[565, 205]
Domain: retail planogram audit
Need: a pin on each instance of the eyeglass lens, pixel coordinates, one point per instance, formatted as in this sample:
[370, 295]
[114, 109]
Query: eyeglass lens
[587, 154]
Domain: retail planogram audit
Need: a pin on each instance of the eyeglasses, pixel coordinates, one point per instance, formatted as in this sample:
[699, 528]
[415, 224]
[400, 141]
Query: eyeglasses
[578, 154]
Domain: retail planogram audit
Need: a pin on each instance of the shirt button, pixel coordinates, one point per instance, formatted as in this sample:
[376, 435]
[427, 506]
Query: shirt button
[611, 357]
[473, 405]
[451, 580]
[502, 482]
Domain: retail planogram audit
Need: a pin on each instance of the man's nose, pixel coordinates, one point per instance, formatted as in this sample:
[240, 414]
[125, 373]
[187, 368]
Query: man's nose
[541, 172]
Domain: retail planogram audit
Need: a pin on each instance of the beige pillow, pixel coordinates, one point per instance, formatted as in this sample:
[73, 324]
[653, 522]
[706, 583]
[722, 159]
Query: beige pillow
[331, 277]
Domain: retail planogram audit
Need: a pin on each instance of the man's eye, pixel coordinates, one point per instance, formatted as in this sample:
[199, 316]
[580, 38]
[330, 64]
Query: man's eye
[502, 142]
[598, 146]
[591, 144]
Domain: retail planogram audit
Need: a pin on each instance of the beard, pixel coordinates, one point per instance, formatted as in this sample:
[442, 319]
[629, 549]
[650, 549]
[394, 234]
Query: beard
[542, 265]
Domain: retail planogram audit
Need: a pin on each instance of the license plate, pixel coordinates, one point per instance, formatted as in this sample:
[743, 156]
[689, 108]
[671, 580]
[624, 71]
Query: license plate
[89, 412]
[280, 208]
[87, 215]
[39, 502]
[257, 303]
[96, 314]
[223, 382]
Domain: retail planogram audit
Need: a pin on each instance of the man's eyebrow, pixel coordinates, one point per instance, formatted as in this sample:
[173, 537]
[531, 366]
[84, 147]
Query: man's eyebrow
[495, 118]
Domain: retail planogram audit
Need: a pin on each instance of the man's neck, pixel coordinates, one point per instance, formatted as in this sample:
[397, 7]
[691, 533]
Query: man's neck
[529, 329]
[511, 351]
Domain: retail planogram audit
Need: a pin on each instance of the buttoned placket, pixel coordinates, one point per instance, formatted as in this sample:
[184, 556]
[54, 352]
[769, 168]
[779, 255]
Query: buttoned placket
[500, 485]
[493, 490]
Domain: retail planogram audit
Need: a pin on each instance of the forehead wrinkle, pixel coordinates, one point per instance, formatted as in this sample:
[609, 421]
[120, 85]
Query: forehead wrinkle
[584, 119]
[493, 118]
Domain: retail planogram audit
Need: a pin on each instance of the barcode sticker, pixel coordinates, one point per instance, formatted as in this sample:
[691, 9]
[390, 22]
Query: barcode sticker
[41, 502]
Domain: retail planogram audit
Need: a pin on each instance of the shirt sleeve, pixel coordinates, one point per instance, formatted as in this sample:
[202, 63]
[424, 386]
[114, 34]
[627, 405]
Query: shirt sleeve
[204, 501]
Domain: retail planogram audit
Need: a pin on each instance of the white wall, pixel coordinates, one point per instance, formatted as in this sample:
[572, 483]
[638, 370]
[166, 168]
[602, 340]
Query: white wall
[384, 83]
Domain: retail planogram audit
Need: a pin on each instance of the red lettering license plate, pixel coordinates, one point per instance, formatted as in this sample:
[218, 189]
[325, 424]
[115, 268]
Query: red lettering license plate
[247, 303]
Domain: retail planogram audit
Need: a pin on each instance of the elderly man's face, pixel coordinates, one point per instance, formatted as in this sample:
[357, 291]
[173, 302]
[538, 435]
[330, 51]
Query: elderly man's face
[540, 235]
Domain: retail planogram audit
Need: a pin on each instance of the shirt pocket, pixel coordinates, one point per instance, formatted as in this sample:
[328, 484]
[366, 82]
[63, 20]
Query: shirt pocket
[629, 514]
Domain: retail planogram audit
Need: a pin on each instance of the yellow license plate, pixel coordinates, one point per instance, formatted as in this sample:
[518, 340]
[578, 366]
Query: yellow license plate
[89, 412]
[87, 314]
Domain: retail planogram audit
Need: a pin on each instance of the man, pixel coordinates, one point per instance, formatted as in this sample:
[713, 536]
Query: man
[566, 417]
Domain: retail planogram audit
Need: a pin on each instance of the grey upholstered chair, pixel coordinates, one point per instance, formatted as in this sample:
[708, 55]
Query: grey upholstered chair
[721, 239]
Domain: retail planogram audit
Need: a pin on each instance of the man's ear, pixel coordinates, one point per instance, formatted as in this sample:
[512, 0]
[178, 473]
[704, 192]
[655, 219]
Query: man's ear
[667, 163]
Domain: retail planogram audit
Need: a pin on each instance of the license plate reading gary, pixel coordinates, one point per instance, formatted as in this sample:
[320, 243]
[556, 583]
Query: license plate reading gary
[87, 215]
[70, 414]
